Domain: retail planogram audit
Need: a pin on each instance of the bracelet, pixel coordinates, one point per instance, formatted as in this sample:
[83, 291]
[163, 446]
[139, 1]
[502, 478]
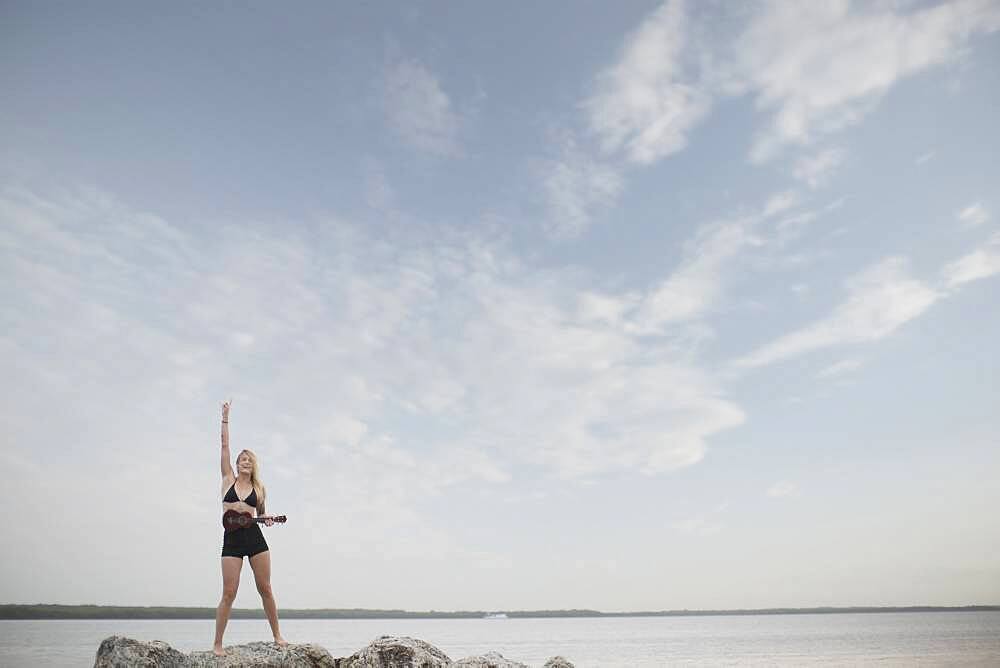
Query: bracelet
[225, 422]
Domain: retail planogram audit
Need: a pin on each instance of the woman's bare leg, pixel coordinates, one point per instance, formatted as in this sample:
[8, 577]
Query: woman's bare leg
[231, 567]
[261, 565]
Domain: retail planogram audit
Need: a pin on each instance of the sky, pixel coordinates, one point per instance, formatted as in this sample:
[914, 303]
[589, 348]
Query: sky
[621, 306]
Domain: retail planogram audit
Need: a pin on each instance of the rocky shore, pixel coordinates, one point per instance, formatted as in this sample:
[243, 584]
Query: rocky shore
[383, 652]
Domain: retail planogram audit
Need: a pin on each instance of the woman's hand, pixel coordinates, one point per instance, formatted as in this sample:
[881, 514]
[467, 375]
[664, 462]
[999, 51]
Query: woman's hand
[268, 522]
[225, 409]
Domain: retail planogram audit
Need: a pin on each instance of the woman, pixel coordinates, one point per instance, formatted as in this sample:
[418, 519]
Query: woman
[244, 493]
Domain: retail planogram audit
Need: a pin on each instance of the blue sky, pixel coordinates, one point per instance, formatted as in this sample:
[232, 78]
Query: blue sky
[629, 307]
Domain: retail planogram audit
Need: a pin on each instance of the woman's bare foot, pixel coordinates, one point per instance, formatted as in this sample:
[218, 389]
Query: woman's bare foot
[218, 651]
[280, 642]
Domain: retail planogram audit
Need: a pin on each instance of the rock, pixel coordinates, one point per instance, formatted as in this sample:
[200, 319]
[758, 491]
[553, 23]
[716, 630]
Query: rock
[488, 660]
[119, 652]
[383, 652]
[396, 652]
[558, 662]
[266, 654]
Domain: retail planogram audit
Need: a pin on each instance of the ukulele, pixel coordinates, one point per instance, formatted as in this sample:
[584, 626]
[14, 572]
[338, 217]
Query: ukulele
[234, 520]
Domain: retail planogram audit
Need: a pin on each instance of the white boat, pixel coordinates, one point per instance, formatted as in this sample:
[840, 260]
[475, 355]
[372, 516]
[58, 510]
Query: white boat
[495, 615]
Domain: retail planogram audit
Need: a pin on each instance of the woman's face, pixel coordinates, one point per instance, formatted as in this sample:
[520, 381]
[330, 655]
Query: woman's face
[244, 464]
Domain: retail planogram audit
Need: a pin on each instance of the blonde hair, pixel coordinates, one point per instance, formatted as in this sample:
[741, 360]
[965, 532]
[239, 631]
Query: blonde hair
[258, 486]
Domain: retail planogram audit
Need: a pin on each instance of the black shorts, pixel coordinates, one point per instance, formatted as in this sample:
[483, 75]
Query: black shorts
[244, 542]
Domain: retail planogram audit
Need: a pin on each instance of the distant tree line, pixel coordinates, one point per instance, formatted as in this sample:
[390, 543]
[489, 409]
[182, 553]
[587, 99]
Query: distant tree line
[42, 611]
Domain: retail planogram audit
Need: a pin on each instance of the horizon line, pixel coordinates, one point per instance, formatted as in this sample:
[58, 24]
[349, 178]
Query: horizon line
[42, 611]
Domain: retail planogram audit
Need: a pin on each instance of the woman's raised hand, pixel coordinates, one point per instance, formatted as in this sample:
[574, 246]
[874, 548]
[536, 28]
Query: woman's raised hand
[225, 409]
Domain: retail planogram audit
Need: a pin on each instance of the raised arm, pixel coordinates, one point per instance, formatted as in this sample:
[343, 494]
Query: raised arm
[227, 465]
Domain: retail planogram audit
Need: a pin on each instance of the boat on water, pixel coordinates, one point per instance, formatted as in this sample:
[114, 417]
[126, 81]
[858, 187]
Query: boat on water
[495, 615]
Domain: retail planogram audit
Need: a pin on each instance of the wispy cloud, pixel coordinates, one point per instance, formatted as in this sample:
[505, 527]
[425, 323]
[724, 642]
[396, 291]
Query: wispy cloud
[780, 202]
[379, 194]
[640, 109]
[699, 526]
[974, 215]
[881, 299]
[707, 523]
[488, 363]
[816, 170]
[418, 109]
[820, 68]
[783, 488]
[645, 104]
[816, 68]
[840, 368]
[578, 188]
[694, 287]
[980, 263]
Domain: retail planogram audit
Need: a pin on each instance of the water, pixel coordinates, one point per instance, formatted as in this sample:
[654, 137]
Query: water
[884, 639]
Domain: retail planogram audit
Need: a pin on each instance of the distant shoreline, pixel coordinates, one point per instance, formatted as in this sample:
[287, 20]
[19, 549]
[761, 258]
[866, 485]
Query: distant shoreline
[43, 611]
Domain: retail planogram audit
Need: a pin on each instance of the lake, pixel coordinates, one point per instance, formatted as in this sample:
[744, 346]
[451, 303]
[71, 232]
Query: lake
[885, 639]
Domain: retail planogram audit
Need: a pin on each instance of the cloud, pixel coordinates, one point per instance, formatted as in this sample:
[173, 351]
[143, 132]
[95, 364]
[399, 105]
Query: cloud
[880, 300]
[418, 109]
[923, 158]
[703, 524]
[974, 215]
[577, 189]
[780, 202]
[698, 526]
[646, 103]
[783, 488]
[593, 307]
[693, 288]
[816, 170]
[821, 67]
[814, 68]
[374, 483]
[569, 393]
[412, 359]
[696, 285]
[379, 194]
[641, 106]
[981, 263]
[840, 368]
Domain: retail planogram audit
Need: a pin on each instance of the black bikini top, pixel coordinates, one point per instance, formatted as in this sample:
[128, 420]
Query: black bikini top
[231, 496]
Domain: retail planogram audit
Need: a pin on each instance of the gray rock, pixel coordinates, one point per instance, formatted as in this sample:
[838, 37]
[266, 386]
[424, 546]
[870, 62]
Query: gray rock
[266, 654]
[488, 660]
[119, 652]
[558, 662]
[396, 652]
[383, 652]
